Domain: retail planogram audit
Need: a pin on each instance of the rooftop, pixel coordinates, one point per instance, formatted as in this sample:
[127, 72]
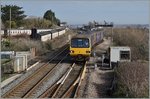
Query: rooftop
[120, 47]
[50, 32]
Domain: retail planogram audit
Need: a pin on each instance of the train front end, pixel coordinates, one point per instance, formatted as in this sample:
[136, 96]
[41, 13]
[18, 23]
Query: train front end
[80, 49]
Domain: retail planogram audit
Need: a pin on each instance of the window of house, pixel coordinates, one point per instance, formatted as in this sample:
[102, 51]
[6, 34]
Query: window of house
[124, 55]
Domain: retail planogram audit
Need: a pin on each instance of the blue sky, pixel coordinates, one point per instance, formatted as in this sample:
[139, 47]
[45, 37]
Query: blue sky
[83, 11]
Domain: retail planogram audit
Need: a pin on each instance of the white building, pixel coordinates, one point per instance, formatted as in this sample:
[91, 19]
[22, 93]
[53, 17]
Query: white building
[7, 54]
[20, 61]
[119, 54]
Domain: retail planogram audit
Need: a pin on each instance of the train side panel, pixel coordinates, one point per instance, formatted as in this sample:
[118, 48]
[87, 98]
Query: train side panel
[96, 37]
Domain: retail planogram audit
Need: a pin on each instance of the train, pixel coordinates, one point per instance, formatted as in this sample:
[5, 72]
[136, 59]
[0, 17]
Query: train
[81, 46]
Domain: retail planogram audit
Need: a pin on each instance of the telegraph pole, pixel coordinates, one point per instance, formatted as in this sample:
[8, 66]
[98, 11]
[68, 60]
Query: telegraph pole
[9, 21]
[112, 34]
[9, 24]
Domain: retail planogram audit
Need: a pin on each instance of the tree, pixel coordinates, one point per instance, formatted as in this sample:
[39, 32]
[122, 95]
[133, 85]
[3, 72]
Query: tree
[50, 15]
[57, 21]
[37, 23]
[13, 24]
[17, 15]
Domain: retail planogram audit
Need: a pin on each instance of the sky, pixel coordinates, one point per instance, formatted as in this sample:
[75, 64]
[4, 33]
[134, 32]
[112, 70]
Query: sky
[83, 11]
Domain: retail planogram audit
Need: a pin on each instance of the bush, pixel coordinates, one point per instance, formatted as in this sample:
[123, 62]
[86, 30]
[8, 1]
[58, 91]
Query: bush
[18, 43]
[136, 38]
[133, 80]
[24, 44]
[48, 45]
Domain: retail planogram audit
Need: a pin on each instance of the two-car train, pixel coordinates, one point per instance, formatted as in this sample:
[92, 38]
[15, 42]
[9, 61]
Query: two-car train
[81, 45]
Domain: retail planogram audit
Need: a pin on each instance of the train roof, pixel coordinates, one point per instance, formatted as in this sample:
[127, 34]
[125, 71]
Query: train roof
[47, 32]
[44, 33]
[120, 47]
[86, 34]
[51, 31]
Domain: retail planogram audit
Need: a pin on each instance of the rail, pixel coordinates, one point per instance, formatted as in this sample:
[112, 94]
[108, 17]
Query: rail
[27, 84]
[57, 88]
[76, 85]
[29, 93]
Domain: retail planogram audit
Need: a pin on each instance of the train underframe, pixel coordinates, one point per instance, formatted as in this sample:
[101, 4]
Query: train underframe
[80, 57]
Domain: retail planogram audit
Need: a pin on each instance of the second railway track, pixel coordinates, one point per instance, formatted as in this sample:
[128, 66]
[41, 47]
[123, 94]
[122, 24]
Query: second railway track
[24, 87]
[68, 85]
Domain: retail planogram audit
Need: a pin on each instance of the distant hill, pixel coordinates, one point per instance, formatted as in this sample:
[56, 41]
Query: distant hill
[131, 25]
[115, 25]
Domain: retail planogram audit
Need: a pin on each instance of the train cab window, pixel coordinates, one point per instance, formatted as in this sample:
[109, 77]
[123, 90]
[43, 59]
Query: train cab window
[124, 55]
[73, 43]
[86, 43]
[80, 42]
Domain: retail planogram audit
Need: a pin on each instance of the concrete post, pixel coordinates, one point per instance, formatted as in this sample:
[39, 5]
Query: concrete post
[33, 51]
[95, 64]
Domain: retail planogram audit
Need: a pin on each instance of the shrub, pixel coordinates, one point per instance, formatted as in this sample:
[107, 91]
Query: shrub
[48, 45]
[133, 79]
[136, 38]
[24, 44]
[21, 43]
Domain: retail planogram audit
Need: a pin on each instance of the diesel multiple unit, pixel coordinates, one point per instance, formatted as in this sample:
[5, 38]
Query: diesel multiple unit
[81, 45]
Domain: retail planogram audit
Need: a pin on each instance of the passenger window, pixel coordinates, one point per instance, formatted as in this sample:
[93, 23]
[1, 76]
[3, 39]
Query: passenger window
[124, 55]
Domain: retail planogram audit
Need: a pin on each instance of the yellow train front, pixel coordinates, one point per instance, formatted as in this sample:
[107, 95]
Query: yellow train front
[81, 45]
[80, 49]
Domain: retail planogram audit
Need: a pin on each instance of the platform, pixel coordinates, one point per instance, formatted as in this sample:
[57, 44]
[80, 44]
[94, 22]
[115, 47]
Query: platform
[7, 81]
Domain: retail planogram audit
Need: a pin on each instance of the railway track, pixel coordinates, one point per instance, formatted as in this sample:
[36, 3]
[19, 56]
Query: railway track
[69, 83]
[29, 84]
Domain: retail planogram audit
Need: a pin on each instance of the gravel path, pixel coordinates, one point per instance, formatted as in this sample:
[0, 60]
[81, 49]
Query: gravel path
[96, 84]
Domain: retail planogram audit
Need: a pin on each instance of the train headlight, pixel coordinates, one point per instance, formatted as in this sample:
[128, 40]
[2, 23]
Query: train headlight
[71, 51]
[87, 51]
